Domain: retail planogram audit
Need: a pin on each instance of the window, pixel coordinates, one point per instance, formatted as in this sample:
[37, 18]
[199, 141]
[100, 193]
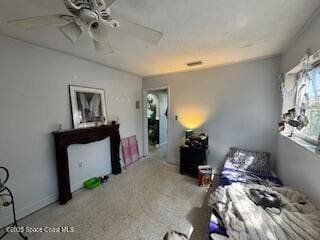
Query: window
[309, 96]
[300, 120]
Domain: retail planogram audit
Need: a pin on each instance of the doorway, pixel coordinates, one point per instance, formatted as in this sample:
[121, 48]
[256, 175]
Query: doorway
[156, 122]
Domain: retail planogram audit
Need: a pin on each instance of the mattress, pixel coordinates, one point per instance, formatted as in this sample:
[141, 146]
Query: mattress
[229, 176]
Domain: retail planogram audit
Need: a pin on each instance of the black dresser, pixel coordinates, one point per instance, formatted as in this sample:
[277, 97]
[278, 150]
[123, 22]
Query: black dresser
[193, 156]
[190, 159]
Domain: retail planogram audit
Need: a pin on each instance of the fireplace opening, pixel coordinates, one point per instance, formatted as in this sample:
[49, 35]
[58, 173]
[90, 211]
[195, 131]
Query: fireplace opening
[87, 161]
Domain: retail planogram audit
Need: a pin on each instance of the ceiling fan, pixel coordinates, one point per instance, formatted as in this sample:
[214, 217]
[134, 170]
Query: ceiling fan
[93, 16]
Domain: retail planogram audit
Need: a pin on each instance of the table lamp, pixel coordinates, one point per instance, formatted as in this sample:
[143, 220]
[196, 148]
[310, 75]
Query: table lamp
[189, 133]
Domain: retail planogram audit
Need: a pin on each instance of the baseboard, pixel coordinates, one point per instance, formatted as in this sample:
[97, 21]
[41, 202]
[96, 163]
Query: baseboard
[76, 187]
[23, 212]
[173, 161]
[162, 144]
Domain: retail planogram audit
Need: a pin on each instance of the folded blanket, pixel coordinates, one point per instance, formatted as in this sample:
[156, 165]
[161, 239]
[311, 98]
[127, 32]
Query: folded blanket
[244, 220]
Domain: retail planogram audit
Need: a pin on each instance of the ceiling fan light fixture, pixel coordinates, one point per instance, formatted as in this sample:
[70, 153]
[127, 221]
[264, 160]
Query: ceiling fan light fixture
[72, 6]
[72, 31]
[100, 4]
[93, 16]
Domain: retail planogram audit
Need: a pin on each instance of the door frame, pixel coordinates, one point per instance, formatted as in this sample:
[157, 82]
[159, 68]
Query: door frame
[145, 92]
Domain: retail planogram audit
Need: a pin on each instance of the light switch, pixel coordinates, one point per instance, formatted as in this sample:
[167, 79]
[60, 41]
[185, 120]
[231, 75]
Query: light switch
[137, 104]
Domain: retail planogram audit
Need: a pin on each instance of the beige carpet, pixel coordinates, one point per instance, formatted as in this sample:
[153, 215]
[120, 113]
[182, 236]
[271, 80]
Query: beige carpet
[158, 152]
[144, 202]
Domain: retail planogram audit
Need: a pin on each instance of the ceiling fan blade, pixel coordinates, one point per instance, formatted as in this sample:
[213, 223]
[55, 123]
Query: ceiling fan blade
[138, 31]
[41, 21]
[72, 31]
[109, 2]
[99, 34]
[98, 31]
[103, 47]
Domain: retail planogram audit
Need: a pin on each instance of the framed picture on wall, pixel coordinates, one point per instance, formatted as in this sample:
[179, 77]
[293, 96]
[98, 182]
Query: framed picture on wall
[88, 106]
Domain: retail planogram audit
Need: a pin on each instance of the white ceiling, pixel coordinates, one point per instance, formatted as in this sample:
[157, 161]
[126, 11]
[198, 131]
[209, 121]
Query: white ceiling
[214, 31]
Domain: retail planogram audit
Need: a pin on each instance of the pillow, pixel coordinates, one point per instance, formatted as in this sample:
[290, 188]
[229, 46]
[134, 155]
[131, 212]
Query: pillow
[257, 162]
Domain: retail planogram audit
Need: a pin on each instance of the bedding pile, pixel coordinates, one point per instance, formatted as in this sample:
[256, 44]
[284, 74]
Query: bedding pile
[297, 219]
[241, 213]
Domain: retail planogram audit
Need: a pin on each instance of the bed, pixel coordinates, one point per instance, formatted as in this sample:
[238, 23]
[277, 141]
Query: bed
[249, 168]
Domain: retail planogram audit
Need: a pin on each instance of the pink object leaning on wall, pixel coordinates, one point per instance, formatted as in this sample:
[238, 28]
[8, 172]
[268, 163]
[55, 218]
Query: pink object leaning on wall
[130, 151]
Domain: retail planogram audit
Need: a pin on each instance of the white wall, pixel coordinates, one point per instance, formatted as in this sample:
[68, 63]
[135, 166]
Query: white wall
[34, 100]
[309, 39]
[296, 166]
[240, 103]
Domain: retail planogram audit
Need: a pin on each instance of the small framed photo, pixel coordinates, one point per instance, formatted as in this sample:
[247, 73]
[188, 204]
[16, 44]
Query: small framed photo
[88, 106]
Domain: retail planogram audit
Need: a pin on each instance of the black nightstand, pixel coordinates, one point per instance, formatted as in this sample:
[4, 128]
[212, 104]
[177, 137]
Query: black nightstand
[191, 158]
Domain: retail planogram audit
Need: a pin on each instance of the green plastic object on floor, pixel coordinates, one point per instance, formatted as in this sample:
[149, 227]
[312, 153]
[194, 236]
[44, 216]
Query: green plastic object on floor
[92, 183]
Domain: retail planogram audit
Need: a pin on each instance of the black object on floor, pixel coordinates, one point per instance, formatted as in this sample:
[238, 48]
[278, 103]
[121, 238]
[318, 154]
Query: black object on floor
[193, 154]
[6, 192]
[190, 159]
[104, 179]
[265, 199]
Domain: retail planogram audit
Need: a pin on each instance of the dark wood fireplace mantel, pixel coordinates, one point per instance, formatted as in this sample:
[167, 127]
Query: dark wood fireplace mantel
[82, 136]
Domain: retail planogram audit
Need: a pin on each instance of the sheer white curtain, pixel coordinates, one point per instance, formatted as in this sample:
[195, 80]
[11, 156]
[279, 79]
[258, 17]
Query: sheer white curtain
[309, 98]
[290, 92]
[289, 98]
